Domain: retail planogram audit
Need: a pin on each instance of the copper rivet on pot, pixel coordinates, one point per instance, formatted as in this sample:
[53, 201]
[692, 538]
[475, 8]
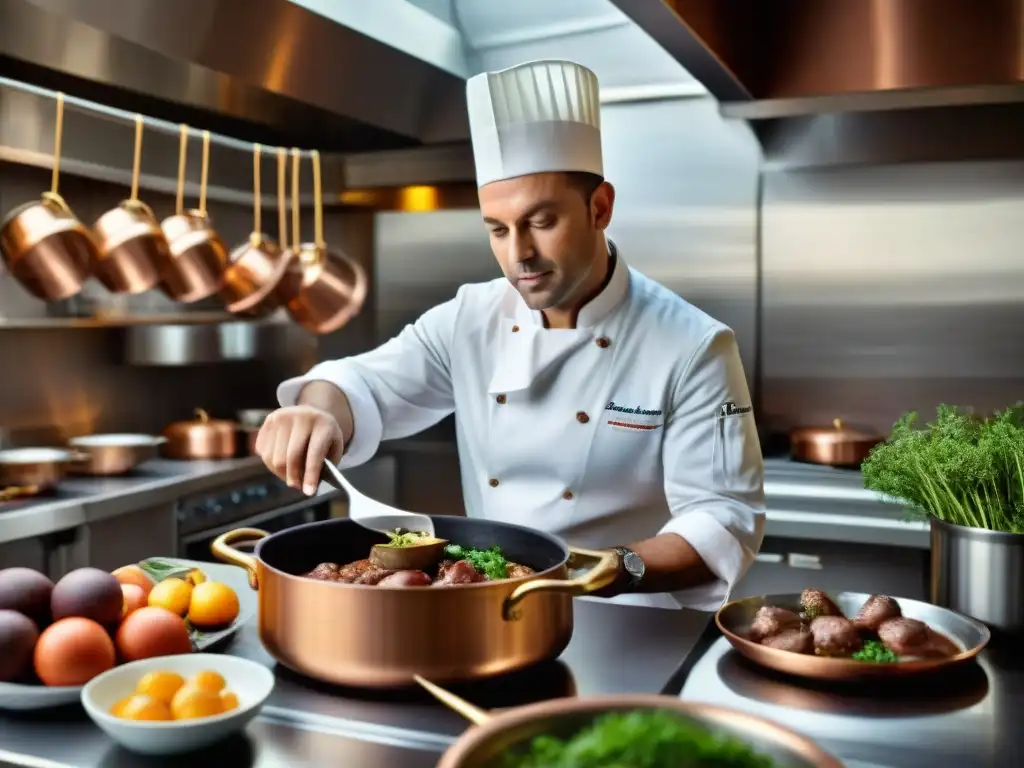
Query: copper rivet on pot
[582, 417]
[493, 482]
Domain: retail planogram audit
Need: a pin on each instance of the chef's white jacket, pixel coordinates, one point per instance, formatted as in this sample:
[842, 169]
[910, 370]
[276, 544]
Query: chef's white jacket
[637, 422]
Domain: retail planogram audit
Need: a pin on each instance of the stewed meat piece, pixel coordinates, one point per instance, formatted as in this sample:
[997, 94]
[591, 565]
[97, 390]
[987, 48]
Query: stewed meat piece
[835, 636]
[798, 640]
[770, 620]
[324, 572]
[517, 571]
[457, 572]
[876, 609]
[405, 579]
[815, 603]
[905, 637]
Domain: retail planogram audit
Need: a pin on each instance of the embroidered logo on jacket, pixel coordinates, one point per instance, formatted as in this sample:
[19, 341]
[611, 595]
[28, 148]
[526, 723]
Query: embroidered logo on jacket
[625, 417]
[730, 408]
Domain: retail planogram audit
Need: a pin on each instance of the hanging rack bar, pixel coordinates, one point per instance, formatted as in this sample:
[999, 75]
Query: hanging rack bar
[151, 123]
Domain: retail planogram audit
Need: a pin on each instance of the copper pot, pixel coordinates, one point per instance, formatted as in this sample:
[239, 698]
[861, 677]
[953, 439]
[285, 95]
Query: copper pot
[323, 289]
[257, 266]
[201, 438]
[132, 247]
[382, 637]
[838, 445]
[198, 257]
[114, 454]
[45, 247]
[494, 736]
[37, 469]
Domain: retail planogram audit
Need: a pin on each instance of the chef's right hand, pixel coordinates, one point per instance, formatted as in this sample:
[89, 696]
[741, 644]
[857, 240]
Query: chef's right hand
[294, 441]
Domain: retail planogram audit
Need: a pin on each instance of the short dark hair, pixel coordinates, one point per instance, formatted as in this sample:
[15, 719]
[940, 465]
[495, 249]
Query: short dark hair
[585, 183]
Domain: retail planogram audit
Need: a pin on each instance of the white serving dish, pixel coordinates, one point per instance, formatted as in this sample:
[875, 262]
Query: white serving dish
[251, 682]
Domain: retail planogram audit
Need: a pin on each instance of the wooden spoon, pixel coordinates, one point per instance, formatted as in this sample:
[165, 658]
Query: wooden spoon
[420, 556]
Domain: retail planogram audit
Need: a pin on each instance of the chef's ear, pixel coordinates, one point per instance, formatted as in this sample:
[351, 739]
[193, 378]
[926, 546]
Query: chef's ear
[602, 202]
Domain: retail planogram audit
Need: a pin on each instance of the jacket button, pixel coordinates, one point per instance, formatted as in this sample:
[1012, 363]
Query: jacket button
[515, 329]
[581, 417]
[567, 495]
[603, 342]
[493, 482]
[500, 399]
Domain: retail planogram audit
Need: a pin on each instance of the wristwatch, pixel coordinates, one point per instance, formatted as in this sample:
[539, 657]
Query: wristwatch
[631, 568]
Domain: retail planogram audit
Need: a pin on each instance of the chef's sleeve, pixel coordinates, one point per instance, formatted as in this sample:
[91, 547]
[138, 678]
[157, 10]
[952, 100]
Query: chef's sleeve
[398, 389]
[714, 471]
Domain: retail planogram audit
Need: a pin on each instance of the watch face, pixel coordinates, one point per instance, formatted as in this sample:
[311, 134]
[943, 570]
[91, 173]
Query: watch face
[633, 564]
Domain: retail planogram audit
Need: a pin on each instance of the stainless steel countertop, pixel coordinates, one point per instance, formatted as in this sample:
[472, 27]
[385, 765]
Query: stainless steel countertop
[969, 718]
[81, 500]
[615, 649]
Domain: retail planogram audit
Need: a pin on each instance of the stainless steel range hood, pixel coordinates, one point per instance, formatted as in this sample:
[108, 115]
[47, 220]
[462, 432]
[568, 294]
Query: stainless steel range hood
[829, 72]
[272, 71]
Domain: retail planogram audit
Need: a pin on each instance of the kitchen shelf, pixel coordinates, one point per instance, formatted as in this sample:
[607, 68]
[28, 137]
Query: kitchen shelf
[129, 321]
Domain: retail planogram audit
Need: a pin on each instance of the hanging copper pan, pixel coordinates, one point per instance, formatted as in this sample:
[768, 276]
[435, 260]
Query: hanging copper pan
[45, 247]
[327, 288]
[837, 446]
[198, 256]
[131, 244]
[257, 266]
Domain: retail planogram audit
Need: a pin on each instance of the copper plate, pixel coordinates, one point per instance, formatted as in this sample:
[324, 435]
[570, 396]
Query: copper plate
[734, 620]
[484, 745]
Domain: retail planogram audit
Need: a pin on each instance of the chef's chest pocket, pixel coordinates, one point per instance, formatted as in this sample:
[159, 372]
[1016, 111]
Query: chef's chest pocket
[736, 454]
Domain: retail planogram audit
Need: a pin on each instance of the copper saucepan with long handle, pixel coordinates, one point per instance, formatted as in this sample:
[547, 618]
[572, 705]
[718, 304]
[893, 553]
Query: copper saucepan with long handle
[494, 737]
[325, 289]
[380, 636]
[132, 247]
[35, 470]
[198, 257]
[256, 267]
[43, 244]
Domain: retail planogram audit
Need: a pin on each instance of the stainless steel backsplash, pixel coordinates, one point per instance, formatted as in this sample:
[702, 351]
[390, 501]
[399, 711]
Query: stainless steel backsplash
[891, 288]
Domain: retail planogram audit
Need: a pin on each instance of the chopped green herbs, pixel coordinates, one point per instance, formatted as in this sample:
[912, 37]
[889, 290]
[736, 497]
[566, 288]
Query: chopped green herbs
[875, 651]
[639, 739]
[406, 538]
[490, 562]
[962, 469]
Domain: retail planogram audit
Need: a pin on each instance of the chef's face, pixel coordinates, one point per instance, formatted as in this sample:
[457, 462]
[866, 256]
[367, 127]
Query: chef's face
[546, 231]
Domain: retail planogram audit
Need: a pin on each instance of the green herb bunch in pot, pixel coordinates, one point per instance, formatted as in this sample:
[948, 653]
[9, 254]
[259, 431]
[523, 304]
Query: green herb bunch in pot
[964, 473]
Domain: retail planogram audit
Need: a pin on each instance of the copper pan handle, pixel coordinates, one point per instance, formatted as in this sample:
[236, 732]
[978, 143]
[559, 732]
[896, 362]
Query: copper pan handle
[179, 199]
[457, 704]
[204, 174]
[53, 195]
[282, 202]
[296, 221]
[133, 203]
[256, 238]
[600, 576]
[222, 550]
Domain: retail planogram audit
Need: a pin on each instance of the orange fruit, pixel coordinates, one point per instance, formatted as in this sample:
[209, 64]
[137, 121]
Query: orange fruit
[173, 595]
[191, 702]
[160, 685]
[208, 680]
[213, 605]
[150, 632]
[228, 700]
[133, 574]
[118, 709]
[144, 708]
[134, 598]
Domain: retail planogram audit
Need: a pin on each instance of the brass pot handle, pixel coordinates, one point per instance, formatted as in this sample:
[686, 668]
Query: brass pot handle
[222, 550]
[600, 576]
[256, 236]
[282, 201]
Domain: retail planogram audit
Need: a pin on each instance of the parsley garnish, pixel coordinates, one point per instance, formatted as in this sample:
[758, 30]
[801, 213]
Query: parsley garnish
[490, 562]
[876, 651]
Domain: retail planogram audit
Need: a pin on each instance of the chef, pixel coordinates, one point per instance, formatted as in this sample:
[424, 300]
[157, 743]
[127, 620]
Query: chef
[589, 400]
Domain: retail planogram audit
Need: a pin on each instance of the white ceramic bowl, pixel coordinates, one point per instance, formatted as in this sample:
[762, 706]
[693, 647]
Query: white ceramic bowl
[251, 682]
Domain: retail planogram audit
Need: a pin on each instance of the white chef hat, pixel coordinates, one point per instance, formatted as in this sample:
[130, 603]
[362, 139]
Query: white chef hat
[535, 117]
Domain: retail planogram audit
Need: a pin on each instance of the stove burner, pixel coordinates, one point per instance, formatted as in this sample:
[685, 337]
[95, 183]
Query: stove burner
[540, 682]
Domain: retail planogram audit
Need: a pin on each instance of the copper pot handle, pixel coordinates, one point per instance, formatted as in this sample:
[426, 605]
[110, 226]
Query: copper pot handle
[282, 203]
[256, 236]
[600, 576]
[222, 550]
[179, 198]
